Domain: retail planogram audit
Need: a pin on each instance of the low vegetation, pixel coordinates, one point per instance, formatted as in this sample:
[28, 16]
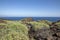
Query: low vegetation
[27, 29]
[13, 30]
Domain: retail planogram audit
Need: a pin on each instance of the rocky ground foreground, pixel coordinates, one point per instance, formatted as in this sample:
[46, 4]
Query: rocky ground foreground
[28, 29]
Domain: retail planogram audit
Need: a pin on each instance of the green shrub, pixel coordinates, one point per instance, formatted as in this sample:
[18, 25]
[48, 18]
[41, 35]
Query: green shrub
[38, 25]
[13, 30]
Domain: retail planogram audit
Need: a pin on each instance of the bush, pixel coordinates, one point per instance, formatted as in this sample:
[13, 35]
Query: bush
[38, 25]
[13, 30]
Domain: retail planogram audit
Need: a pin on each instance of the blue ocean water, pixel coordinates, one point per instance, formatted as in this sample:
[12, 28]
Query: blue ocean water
[34, 18]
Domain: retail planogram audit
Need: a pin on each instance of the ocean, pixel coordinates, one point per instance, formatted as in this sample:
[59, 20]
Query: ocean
[34, 18]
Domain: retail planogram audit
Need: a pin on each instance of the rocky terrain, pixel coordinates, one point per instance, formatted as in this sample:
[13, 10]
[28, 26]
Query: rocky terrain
[28, 29]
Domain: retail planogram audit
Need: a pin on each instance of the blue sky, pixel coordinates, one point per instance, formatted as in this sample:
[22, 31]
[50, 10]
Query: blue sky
[29, 8]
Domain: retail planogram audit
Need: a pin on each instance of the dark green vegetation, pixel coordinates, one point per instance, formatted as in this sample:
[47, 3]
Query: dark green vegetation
[28, 29]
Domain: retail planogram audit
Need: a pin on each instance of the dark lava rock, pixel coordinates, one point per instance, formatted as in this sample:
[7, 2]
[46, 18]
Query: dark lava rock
[2, 21]
[52, 33]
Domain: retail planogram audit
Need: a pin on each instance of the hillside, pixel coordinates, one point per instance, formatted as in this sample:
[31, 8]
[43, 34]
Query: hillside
[28, 29]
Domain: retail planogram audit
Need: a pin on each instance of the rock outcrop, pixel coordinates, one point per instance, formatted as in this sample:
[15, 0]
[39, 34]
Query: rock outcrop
[24, 21]
[2, 21]
[52, 33]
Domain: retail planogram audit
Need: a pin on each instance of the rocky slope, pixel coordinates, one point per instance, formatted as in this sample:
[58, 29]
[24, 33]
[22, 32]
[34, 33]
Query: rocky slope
[28, 29]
